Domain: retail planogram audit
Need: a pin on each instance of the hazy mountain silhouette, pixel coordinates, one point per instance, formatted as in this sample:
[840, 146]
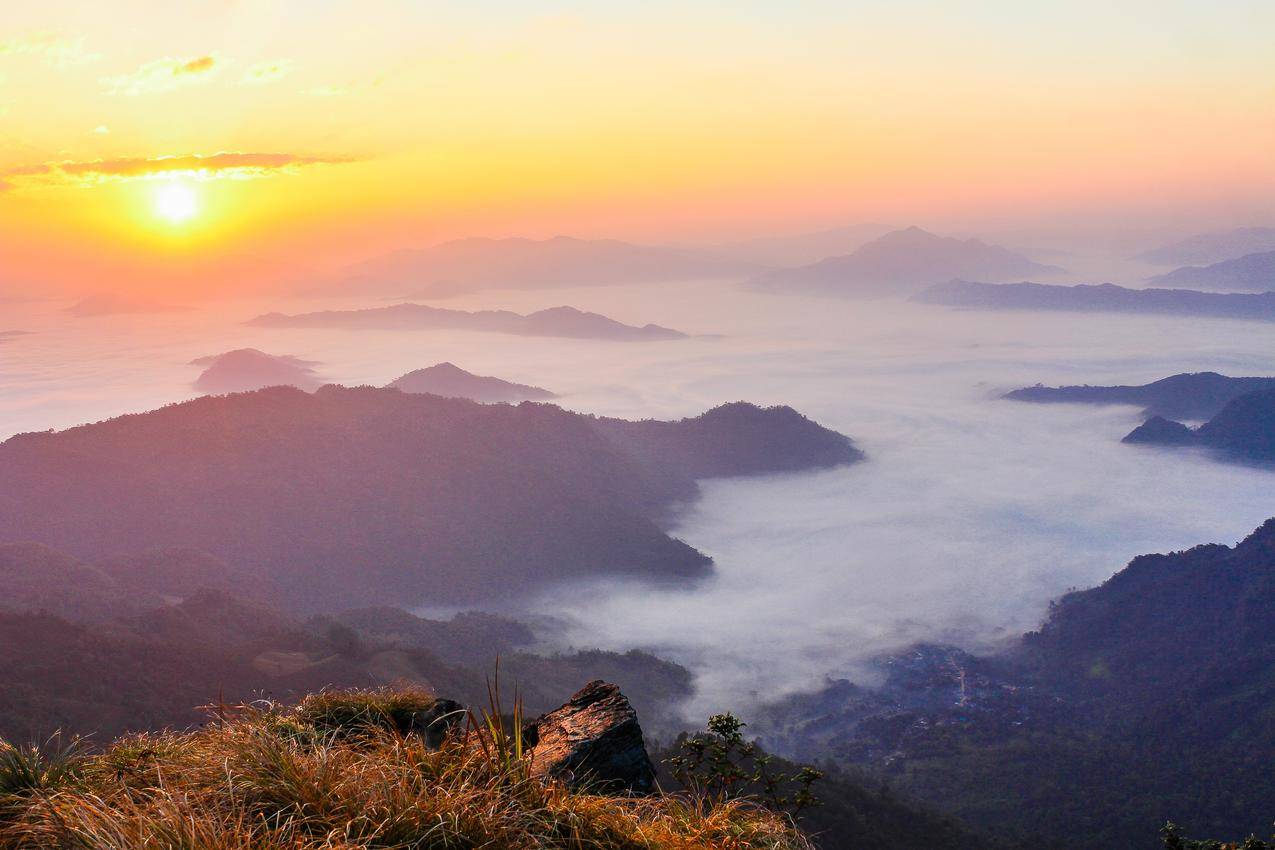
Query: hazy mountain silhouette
[247, 369]
[1243, 430]
[364, 496]
[111, 304]
[35, 577]
[447, 379]
[465, 265]
[1206, 248]
[5, 336]
[900, 263]
[1249, 273]
[556, 321]
[1100, 298]
[802, 249]
[1197, 395]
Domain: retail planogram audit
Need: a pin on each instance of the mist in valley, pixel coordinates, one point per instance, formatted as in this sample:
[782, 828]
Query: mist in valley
[969, 515]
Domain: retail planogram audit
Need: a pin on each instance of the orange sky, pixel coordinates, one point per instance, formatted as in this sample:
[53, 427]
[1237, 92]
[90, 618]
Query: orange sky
[305, 133]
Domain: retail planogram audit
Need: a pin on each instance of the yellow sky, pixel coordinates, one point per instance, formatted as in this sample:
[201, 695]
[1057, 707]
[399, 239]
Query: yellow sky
[308, 133]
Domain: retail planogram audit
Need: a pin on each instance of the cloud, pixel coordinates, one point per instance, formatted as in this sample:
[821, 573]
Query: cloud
[263, 73]
[223, 165]
[56, 51]
[163, 75]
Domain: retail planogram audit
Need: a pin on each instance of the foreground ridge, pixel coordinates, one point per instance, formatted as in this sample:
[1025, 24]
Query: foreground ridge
[347, 769]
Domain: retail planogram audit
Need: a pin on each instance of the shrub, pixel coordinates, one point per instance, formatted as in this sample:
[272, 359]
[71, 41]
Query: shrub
[720, 764]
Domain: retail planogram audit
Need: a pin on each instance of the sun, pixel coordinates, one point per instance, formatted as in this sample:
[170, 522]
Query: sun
[175, 202]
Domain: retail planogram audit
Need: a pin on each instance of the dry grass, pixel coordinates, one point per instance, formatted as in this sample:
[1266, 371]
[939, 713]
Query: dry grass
[266, 777]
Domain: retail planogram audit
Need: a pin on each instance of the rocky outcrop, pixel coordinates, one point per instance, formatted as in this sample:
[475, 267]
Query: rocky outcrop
[594, 742]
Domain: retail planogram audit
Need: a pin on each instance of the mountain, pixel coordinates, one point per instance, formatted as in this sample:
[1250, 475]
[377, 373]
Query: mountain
[1249, 273]
[1197, 395]
[1100, 298]
[35, 578]
[1206, 248]
[900, 263]
[1150, 697]
[109, 304]
[1242, 430]
[351, 497]
[556, 321]
[447, 379]
[248, 369]
[802, 249]
[467, 265]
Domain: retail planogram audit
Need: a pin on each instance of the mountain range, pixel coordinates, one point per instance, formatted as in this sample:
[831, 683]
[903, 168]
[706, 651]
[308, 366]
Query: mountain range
[900, 263]
[1244, 430]
[1249, 273]
[555, 321]
[350, 497]
[1205, 248]
[1197, 395]
[1100, 298]
[467, 265]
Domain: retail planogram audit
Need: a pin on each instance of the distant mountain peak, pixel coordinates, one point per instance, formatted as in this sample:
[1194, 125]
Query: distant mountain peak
[449, 380]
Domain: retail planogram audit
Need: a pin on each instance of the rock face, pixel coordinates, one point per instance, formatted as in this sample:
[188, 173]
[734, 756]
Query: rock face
[593, 741]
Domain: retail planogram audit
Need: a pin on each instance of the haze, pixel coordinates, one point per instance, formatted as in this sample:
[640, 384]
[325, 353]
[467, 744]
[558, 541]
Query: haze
[306, 137]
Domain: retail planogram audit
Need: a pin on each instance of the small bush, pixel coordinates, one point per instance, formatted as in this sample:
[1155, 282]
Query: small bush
[719, 764]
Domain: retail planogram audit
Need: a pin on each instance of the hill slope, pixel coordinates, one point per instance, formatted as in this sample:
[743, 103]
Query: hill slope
[1244, 429]
[1249, 273]
[447, 379]
[350, 497]
[1101, 298]
[1148, 698]
[555, 321]
[1197, 395]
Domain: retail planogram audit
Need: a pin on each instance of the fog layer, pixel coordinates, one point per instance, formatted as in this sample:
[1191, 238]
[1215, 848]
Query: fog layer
[970, 514]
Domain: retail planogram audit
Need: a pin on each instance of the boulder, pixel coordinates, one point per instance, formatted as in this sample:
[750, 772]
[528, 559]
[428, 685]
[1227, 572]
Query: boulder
[593, 742]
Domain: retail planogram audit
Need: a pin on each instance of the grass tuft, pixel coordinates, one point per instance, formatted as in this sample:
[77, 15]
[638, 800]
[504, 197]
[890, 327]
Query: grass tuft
[338, 771]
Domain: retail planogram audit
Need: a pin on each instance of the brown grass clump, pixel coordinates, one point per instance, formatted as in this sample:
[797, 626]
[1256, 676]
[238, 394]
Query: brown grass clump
[267, 777]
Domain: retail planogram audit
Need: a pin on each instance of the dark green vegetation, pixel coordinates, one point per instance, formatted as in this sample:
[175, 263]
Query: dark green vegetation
[1148, 698]
[155, 667]
[839, 811]
[1199, 395]
[353, 497]
[1244, 430]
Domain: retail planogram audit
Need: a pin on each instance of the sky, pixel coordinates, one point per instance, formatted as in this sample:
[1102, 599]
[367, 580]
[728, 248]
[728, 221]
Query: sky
[215, 144]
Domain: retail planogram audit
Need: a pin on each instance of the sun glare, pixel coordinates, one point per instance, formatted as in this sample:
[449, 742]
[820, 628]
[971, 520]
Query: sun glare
[175, 202]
